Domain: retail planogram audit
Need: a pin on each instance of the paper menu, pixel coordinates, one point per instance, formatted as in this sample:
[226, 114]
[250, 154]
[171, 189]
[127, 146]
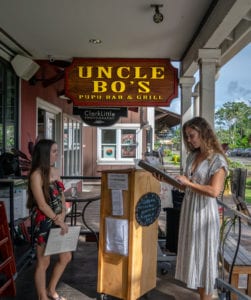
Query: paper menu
[117, 235]
[117, 203]
[58, 243]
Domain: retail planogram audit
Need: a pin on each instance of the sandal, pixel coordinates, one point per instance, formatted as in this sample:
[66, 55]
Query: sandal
[56, 298]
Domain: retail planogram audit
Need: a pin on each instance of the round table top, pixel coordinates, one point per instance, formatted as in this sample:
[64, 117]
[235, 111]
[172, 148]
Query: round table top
[82, 197]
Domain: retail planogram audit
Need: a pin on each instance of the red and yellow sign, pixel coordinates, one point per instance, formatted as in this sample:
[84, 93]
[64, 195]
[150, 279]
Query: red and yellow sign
[121, 82]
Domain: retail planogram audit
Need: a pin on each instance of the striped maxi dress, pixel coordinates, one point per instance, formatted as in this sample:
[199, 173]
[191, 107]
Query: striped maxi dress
[197, 262]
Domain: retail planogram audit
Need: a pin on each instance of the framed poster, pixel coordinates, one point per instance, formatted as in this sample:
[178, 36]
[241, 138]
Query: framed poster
[109, 151]
[128, 151]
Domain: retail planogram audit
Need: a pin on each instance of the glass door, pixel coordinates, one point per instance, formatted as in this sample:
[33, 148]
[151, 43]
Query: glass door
[50, 128]
[46, 124]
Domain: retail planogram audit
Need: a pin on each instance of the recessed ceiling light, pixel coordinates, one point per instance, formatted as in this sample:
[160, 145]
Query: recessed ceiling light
[95, 41]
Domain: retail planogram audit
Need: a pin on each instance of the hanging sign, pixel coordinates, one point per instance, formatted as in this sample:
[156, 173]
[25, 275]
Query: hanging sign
[121, 82]
[148, 209]
[94, 116]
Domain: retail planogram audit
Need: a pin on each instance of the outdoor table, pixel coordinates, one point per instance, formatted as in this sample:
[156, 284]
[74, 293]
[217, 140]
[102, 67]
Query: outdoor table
[82, 197]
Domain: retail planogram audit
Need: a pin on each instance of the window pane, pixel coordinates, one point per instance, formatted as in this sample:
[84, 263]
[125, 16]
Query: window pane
[66, 146]
[108, 151]
[8, 107]
[128, 136]
[10, 98]
[51, 128]
[72, 147]
[128, 143]
[1, 139]
[10, 143]
[119, 144]
[108, 141]
[108, 136]
[128, 151]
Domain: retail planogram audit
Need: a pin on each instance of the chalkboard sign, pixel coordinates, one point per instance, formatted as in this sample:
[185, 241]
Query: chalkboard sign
[148, 209]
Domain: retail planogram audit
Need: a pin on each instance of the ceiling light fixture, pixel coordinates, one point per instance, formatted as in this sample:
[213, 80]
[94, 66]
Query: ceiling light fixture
[157, 17]
[95, 41]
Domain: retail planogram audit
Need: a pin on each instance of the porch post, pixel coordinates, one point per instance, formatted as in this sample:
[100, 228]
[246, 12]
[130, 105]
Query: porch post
[186, 84]
[208, 61]
[196, 100]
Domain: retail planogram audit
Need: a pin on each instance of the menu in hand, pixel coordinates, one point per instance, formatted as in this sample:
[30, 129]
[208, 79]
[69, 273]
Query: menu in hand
[58, 243]
[153, 169]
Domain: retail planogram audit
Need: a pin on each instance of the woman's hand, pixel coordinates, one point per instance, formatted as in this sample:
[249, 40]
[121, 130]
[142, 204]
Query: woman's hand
[157, 176]
[60, 222]
[64, 228]
[183, 180]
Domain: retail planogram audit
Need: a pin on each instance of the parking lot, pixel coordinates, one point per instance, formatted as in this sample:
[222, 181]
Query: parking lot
[239, 152]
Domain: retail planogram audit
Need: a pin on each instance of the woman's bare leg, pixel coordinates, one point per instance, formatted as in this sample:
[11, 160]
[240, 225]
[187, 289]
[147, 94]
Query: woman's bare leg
[40, 273]
[63, 260]
[203, 296]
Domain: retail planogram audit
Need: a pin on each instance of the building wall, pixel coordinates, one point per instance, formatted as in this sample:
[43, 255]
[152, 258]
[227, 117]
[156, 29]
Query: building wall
[28, 118]
[91, 166]
[28, 95]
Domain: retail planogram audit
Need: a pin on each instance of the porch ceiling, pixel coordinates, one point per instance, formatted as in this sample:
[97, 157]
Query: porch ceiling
[165, 119]
[62, 29]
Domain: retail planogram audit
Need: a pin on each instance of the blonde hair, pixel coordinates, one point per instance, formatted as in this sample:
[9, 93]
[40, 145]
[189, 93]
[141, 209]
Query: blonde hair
[209, 141]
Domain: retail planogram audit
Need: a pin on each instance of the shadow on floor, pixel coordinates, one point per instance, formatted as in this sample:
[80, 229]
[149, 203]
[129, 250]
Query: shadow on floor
[79, 281]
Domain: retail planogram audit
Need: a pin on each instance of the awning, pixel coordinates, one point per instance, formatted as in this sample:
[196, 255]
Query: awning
[165, 119]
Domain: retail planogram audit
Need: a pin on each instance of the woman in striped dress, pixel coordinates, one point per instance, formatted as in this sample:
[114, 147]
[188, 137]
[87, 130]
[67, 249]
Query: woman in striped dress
[203, 181]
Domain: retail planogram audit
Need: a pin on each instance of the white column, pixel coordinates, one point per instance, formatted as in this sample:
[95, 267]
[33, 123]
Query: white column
[186, 84]
[208, 62]
[196, 100]
[151, 122]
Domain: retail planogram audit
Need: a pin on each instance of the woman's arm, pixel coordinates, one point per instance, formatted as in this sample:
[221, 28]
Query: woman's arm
[56, 176]
[213, 189]
[37, 191]
[63, 206]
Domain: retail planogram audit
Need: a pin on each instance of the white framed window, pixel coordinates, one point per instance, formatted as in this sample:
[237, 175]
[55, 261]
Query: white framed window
[119, 144]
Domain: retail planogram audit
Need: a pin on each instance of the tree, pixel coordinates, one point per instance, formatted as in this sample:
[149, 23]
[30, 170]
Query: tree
[176, 139]
[233, 123]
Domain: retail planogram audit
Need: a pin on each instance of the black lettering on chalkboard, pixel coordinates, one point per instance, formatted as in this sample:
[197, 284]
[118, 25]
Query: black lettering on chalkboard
[148, 209]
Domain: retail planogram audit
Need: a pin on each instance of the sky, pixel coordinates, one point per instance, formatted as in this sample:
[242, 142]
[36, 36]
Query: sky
[233, 84]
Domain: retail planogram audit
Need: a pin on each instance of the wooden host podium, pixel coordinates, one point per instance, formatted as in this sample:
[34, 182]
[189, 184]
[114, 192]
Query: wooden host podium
[127, 276]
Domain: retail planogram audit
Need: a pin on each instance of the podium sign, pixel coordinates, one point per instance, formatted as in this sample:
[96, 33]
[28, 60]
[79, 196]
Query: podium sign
[148, 209]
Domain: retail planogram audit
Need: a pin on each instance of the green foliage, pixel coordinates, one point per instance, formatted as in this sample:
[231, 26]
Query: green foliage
[233, 124]
[248, 195]
[157, 144]
[176, 139]
[248, 190]
[176, 158]
[168, 152]
[234, 164]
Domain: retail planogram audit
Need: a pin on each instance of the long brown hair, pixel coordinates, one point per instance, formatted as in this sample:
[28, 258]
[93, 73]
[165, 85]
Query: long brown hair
[40, 162]
[209, 141]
